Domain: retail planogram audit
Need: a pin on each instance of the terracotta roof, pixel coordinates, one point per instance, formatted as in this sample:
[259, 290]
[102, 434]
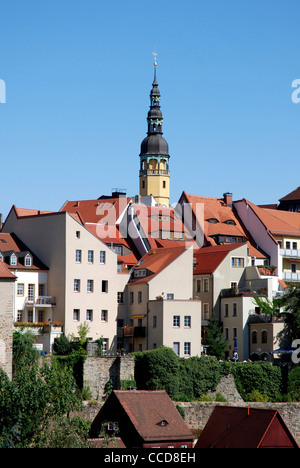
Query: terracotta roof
[207, 259]
[10, 243]
[147, 409]
[94, 211]
[5, 273]
[155, 261]
[235, 427]
[276, 221]
[294, 195]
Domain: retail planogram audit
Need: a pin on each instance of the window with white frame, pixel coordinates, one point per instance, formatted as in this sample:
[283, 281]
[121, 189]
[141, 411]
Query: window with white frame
[187, 321]
[120, 297]
[76, 285]
[104, 315]
[13, 260]
[90, 256]
[28, 260]
[78, 256]
[89, 315]
[90, 285]
[20, 316]
[187, 349]
[102, 257]
[176, 321]
[20, 289]
[76, 315]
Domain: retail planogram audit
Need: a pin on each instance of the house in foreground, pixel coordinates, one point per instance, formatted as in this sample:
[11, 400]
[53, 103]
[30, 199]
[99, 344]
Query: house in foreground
[235, 427]
[142, 419]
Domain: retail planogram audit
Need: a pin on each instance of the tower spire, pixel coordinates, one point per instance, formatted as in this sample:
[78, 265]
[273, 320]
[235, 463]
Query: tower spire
[154, 156]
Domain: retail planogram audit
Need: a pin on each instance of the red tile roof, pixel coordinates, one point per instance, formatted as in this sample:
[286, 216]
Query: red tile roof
[294, 195]
[235, 427]
[5, 273]
[155, 261]
[147, 410]
[94, 211]
[207, 259]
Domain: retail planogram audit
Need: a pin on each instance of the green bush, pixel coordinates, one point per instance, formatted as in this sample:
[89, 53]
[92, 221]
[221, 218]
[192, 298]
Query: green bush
[294, 384]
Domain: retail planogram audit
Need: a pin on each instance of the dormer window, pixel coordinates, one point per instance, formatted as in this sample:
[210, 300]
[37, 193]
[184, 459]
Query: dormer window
[28, 260]
[13, 260]
[230, 222]
[212, 221]
[163, 423]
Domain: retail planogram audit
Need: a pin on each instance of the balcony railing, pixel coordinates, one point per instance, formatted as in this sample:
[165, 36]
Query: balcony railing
[134, 332]
[154, 172]
[291, 276]
[290, 253]
[41, 301]
[262, 292]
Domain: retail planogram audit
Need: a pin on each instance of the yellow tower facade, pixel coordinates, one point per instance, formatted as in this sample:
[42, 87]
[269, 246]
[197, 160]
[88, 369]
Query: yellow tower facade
[154, 156]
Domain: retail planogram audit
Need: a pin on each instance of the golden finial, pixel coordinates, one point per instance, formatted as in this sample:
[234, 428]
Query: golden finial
[155, 56]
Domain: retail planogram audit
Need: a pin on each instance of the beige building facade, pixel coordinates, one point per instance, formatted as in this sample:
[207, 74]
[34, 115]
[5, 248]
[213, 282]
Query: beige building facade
[7, 293]
[82, 275]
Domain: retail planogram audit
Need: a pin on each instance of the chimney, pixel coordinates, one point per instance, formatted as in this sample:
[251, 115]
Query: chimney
[228, 199]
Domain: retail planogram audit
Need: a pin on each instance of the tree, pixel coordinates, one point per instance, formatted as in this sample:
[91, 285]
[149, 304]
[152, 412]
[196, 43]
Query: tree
[291, 303]
[215, 342]
[266, 306]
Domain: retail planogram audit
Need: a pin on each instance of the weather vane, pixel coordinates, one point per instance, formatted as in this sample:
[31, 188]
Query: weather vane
[155, 57]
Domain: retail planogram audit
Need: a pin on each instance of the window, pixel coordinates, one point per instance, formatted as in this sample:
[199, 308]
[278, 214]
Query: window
[89, 315]
[205, 315]
[254, 337]
[234, 310]
[104, 315]
[90, 256]
[295, 246]
[76, 315]
[78, 234]
[28, 260]
[234, 333]
[113, 426]
[140, 297]
[31, 291]
[13, 260]
[90, 285]
[42, 290]
[41, 316]
[176, 321]
[293, 268]
[264, 337]
[287, 245]
[154, 321]
[30, 316]
[76, 285]
[226, 334]
[187, 349]
[170, 296]
[104, 286]
[176, 348]
[20, 289]
[187, 321]
[120, 297]
[205, 285]
[198, 287]
[102, 257]
[20, 316]
[237, 262]
[78, 256]
[226, 311]
[164, 184]
[131, 297]
[104, 347]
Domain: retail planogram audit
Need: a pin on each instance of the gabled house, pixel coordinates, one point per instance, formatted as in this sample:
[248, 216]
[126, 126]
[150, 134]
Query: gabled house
[291, 201]
[143, 419]
[277, 233]
[235, 427]
[82, 273]
[161, 309]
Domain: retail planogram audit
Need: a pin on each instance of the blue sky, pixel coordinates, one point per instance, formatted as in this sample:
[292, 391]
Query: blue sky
[78, 75]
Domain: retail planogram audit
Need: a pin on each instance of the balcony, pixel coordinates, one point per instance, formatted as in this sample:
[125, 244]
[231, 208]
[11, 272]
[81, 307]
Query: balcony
[244, 292]
[290, 253]
[41, 301]
[291, 276]
[134, 332]
[148, 172]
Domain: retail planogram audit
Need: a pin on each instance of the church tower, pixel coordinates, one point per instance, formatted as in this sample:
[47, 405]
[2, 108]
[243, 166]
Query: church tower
[154, 156]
